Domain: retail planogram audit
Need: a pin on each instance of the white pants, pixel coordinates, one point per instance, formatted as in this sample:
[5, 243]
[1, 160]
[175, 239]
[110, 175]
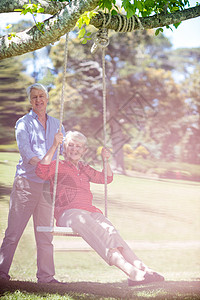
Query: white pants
[97, 231]
[28, 198]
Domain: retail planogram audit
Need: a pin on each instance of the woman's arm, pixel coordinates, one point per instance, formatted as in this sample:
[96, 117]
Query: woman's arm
[58, 138]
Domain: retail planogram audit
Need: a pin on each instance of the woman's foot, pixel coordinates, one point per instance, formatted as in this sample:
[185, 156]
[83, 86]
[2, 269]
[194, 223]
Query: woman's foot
[148, 278]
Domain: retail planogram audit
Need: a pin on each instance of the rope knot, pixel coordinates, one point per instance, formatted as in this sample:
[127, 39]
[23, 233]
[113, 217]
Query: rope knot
[101, 40]
[101, 37]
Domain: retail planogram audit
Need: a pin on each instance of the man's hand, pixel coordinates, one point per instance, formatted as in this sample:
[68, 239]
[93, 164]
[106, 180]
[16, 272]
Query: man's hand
[58, 139]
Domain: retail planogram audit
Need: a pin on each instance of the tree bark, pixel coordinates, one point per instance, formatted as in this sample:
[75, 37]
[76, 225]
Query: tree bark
[54, 27]
[65, 16]
[50, 7]
[155, 21]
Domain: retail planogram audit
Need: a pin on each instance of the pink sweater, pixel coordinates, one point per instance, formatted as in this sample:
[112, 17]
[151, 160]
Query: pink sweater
[73, 185]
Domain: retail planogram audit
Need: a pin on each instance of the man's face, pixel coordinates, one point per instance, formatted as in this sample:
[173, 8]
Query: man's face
[38, 101]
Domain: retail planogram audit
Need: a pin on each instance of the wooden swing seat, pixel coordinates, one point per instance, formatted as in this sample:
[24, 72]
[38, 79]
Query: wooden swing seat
[59, 231]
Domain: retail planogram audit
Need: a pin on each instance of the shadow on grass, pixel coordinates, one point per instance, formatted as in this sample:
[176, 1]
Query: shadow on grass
[94, 290]
[4, 190]
[137, 206]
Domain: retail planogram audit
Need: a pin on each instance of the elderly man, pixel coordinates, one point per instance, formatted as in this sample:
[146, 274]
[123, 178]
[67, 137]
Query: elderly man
[34, 134]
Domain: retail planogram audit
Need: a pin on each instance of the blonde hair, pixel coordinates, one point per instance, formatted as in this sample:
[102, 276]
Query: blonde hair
[74, 135]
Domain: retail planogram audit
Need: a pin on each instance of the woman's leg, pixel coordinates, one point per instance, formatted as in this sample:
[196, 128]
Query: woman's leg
[100, 234]
[118, 260]
[130, 256]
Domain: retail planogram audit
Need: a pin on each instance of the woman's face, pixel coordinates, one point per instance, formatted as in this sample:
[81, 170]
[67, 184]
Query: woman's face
[74, 151]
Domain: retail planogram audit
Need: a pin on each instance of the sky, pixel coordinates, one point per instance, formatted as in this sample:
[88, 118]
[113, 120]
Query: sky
[186, 35]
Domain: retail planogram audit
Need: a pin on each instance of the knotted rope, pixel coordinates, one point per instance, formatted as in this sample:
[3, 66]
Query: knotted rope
[128, 25]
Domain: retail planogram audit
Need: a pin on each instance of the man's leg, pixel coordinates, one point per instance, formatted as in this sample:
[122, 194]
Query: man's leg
[19, 214]
[42, 217]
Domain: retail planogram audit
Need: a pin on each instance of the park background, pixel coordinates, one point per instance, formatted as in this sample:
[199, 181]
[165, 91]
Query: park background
[153, 128]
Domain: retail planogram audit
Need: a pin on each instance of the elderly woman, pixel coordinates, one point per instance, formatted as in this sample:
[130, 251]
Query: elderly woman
[74, 207]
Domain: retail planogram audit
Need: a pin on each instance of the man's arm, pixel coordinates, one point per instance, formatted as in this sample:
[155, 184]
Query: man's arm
[23, 142]
[58, 138]
[34, 160]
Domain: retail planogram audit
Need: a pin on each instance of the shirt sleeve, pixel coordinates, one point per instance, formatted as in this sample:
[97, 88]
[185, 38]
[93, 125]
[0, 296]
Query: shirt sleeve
[97, 176]
[61, 146]
[23, 141]
[45, 172]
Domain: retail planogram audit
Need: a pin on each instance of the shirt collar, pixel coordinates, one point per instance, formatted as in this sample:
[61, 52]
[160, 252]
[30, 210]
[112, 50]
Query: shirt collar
[80, 164]
[34, 115]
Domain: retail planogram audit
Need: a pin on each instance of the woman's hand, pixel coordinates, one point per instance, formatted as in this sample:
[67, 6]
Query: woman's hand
[105, 154]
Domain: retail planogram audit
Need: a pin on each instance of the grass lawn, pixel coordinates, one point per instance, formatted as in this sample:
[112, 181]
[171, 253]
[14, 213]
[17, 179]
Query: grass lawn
[159, 219]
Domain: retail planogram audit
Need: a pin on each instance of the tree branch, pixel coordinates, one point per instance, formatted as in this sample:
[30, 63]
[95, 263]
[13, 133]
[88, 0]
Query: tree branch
[54, 27]
[155, 21]
[50, 7]
[65, 18]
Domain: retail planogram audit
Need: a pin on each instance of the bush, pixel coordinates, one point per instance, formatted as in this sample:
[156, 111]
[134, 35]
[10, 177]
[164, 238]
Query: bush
[171, 170]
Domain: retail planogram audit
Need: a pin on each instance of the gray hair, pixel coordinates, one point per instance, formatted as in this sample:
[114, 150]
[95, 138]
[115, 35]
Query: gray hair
[74, 135]
[37, 86]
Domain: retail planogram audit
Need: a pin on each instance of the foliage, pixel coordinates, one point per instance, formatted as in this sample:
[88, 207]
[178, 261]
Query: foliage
[145, 8]
[144, 102]
[140, 8]
[13, 103]
[162, 169]
[85, 20]
[33, 9]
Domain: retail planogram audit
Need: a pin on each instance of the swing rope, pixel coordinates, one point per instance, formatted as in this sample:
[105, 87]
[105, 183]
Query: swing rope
[102, 41]
[60, 127]
[104, 130]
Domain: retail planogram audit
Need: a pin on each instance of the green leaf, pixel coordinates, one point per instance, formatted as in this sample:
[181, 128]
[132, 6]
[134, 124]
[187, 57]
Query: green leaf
[81, 33]
[87, 20]
[40, 10]
[130, 13]
[106, 4]
[84, 41]
[158, 30]
[168, 27]
[8, 26]
[176, 24]
[114, 12]
[79, 23]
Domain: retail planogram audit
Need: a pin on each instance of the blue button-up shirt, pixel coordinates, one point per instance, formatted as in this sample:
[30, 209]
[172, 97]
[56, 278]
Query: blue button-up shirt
[33, 140]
